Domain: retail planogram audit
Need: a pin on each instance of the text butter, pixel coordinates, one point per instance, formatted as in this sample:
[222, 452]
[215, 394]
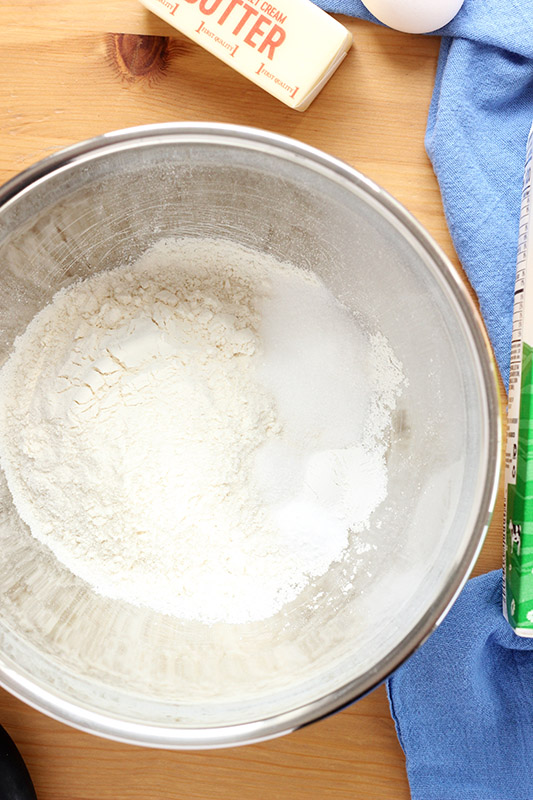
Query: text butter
[290, 49]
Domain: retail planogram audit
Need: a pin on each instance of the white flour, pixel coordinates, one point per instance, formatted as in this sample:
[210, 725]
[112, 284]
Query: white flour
[200, 432]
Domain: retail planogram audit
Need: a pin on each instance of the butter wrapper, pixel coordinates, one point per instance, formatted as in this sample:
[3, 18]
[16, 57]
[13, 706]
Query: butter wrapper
[290, 48]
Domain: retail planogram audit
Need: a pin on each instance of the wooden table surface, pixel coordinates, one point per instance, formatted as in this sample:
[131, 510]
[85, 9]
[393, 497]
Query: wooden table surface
[72, 69]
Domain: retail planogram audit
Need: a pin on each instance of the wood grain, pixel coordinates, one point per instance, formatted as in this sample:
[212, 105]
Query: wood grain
[72, 70]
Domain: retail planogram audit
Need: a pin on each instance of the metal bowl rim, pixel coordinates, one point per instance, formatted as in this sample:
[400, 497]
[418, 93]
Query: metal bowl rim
[83, 718]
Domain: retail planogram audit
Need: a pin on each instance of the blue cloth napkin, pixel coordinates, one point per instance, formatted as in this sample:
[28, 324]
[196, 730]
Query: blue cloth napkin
[463, 703]
[479, 120]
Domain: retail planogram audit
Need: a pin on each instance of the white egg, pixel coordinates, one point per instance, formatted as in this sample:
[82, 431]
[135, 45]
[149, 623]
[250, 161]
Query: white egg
[414, 16]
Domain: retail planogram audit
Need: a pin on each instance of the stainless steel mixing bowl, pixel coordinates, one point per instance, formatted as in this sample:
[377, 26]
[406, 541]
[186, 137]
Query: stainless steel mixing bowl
[138, 676]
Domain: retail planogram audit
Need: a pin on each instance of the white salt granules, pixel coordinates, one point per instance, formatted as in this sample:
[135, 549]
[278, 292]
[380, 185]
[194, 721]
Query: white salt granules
[201, 432]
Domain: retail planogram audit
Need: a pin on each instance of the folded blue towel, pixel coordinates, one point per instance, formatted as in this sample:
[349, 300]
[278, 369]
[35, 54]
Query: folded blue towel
[463, 703]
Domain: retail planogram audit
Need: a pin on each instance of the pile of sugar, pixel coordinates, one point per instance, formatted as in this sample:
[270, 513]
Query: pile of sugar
[201, 432]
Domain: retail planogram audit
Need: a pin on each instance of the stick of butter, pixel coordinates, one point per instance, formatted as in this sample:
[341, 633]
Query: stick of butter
[291, 49]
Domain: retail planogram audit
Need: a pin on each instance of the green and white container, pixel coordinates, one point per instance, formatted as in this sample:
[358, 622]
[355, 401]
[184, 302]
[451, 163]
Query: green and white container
[518, 519]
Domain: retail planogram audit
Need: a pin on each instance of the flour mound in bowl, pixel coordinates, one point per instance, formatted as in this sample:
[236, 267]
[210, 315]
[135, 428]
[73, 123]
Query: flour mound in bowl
[202, 432]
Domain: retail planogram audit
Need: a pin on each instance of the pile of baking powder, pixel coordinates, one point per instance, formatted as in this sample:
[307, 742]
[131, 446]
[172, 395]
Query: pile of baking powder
[200, 432]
